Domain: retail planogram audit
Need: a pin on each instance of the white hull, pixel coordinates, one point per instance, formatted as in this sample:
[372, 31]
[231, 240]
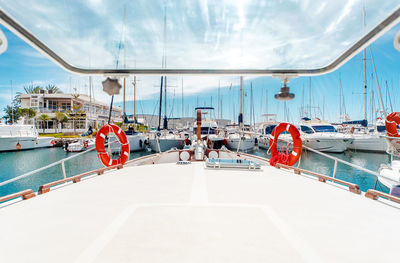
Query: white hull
[246, 144]
[368, 142]
[136, 142]
[327, 143]
[26, 143]
[165, 144]
[80, 146]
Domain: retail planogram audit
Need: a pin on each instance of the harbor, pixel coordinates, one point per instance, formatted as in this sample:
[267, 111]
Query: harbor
[200, 131]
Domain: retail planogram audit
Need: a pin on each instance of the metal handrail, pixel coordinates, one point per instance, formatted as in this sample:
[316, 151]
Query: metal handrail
[46, 167]
[336, 161]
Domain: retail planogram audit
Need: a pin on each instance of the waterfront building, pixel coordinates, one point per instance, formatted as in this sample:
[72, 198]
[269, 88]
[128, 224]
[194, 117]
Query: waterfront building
[95, 113]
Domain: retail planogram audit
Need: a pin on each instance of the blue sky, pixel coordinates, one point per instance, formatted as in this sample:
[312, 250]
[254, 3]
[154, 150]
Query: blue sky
[22, 65]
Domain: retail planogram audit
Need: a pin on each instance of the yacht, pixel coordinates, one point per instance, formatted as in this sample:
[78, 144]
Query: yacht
[80, 145]
[162, 141]
[322, 136]
[199, 204]
[368, 139]
[210, 130]
[22, 137]
[241, 137]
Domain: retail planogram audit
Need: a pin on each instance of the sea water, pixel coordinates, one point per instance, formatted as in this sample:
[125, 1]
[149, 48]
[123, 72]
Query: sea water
[19, 162]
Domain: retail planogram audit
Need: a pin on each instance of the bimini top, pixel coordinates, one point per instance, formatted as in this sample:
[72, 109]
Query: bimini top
[199, 36]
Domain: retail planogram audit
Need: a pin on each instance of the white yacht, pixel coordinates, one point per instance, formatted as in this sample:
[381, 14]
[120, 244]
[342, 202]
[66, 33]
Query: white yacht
[322, 136]
[80, 145]
[22, 137]
[162, 141]
[209, 129]
[199, 204]
[368, 139]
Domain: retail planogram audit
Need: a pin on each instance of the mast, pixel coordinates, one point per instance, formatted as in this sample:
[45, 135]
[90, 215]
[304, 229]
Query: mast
[365, 76]
[372, 101]
[165, 66]
[124, 93]
[160, 107]
[134, 99]
[241, 103]
[12, 106]
[377, 84]
[340, 99]
[183, 114]
[309, 102]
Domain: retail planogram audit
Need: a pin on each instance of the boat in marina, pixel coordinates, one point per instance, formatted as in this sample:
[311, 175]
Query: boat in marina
[165, 140]
[209, 130]
[322, 136]
[200, 204]
[240, 138]
[22, 137]
[80, 145]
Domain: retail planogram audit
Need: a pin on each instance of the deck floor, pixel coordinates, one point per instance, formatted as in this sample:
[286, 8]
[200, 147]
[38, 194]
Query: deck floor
[159, 213]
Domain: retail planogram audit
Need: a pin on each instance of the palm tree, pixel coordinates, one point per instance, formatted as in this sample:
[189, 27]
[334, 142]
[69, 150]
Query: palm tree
[28, 113]
[52, 89]
[31, 89]
[43, 118]
[60, 117]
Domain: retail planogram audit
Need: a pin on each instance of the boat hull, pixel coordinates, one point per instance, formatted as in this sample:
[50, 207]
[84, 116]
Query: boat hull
[246, 144]
[27, 143]
[333, 145]
[165, 144]
[368, 143]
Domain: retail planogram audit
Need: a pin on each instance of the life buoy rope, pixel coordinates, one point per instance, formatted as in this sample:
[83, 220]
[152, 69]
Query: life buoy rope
[391, 122]
[100, 147]
[282, 156]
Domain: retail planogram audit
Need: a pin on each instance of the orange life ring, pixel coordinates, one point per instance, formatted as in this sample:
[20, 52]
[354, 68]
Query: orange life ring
[280, 157]
[391, 122]
[101, 151]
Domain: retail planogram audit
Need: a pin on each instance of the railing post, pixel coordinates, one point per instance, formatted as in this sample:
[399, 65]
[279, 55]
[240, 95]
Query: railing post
[63, 169]
[334, 169]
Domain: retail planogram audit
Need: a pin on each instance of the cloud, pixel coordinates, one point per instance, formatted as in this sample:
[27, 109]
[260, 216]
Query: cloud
[206, 34]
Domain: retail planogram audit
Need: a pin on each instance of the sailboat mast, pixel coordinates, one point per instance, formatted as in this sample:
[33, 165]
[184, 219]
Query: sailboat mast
[340, 99]
[134, 99]
[241, 102]
[183, 114]
[160, 107]
[124, 94]
[365, 77]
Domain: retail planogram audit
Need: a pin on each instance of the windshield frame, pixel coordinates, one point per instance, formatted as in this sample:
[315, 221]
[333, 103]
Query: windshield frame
[29, 38]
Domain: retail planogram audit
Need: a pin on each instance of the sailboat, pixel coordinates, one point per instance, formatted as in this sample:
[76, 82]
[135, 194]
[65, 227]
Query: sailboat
[163, 139]
[240, 139]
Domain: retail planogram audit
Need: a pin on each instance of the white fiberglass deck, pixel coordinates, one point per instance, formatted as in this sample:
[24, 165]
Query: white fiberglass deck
[158, 213]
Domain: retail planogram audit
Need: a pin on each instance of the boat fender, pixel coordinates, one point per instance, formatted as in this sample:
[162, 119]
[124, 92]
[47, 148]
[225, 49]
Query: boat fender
[18, 146]
[100, 147]
[284, 157]
[225, 141]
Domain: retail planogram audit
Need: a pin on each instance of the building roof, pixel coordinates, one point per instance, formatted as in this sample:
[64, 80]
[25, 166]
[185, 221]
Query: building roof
[82, 97]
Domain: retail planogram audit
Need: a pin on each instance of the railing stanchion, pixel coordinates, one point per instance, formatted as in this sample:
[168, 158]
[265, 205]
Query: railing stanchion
[334, 169]
[63, 169]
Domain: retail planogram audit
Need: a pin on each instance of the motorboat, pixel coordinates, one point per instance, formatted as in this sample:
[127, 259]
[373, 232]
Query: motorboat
[22, 137]
[367, 138]
[199, 204]
[323, 136]
[80, 145]
[210, 131]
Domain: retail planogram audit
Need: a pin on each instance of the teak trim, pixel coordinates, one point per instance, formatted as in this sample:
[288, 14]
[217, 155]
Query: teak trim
[77, 178]
[26, 194]
[374, 194]
[354, 188]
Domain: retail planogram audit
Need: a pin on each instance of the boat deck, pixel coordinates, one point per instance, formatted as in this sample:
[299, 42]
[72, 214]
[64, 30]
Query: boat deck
[157, 213]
